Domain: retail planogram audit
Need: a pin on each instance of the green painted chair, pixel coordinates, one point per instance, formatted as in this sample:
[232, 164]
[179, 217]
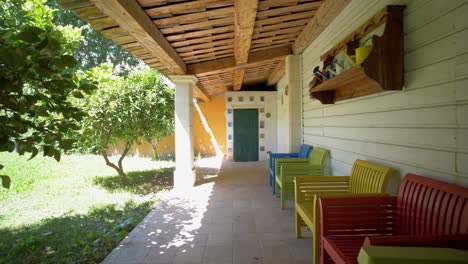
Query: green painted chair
[318, 164]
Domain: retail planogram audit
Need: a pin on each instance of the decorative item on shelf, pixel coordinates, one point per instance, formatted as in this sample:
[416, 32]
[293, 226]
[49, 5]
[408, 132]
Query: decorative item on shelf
[322, 74]
[339, 66]
[363, 52]
[342, 62]
[330, 70]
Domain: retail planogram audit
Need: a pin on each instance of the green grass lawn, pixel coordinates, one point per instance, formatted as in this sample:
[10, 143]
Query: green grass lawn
[74, 211]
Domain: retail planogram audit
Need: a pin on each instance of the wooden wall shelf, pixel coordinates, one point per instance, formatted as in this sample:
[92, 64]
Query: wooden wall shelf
[383, 68]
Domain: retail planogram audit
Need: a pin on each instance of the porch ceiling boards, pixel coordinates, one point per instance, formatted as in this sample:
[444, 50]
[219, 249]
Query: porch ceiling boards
[225, 43]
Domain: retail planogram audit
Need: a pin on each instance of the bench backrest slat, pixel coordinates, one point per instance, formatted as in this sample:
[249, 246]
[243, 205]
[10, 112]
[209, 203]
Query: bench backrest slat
[318, 156]
[304, 151]
[368, 177]
[430, 207]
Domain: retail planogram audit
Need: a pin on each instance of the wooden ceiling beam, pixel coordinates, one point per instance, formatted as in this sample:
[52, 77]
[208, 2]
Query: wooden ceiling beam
[277, 73]
[200, 89]
[226, 64]
[244, 22]
[130, 16]
[238, 79]
[245, 15]
[326, 13]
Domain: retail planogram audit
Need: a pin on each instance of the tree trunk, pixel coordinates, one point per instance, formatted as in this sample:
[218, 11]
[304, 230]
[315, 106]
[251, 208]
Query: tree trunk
[154, 145]
[119, 168]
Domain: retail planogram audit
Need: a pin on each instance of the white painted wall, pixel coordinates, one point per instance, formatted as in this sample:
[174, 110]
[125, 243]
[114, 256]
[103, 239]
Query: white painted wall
[268, 142]
[422, 129]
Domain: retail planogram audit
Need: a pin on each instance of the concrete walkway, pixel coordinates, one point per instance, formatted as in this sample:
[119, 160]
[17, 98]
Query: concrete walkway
[230, 217]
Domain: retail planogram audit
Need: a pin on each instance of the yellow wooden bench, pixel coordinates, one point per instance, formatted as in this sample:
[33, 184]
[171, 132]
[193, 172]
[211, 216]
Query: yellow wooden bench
[366, 178]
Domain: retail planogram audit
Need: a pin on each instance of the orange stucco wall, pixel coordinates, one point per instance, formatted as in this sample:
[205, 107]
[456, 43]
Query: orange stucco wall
[214, 113]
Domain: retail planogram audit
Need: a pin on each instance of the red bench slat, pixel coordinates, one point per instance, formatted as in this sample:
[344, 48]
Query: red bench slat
[426, 212]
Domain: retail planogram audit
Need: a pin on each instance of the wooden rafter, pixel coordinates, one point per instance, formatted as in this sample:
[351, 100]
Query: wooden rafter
[193, 18]
[225, 64]
[202, 92]
[246, 12]
[322, 18]
[130, 16]
[183, 7]
[277, 73]
[238, 79]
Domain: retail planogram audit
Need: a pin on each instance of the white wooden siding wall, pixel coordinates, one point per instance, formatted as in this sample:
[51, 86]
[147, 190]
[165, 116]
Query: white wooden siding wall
[422, 129]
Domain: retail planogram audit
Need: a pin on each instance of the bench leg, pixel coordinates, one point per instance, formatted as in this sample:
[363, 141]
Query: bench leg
[298, 225]
[277, 189]
[273, 184]
[325, 257]
[282, 196]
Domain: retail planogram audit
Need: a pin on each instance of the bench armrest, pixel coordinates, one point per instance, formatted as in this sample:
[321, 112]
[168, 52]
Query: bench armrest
[291, 160]
[444, 241]
[274, 156]
[301, 169]
[307, 186]
[284, 155]
[358, 216]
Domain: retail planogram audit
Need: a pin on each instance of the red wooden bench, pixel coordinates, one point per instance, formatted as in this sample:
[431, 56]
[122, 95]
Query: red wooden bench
[426, 213]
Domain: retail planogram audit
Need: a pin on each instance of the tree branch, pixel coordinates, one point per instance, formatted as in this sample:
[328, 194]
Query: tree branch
[127, 148]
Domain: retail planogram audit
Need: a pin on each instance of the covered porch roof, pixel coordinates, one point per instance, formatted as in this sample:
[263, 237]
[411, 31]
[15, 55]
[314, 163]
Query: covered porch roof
[225, 43]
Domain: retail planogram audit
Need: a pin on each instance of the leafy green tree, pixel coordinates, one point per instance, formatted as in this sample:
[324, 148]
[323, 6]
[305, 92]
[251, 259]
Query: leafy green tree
[157, 106]
[35, 85]
[95, 49]
[123, 110]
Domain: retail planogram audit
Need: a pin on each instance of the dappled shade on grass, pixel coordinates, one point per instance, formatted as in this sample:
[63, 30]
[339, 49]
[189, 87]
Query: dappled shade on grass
[71, 239]
[140, 182]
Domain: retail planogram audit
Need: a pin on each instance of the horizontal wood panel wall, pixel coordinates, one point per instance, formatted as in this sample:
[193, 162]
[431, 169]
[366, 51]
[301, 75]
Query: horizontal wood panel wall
[424, 128]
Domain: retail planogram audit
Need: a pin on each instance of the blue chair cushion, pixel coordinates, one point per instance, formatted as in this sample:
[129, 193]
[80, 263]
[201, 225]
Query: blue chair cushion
[304, 151]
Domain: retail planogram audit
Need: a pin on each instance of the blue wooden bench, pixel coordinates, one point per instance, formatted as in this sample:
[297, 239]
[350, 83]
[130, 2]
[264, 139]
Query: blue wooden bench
[304, 152]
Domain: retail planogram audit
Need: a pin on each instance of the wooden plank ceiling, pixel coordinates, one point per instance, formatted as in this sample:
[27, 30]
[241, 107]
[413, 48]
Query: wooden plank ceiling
[225, 43]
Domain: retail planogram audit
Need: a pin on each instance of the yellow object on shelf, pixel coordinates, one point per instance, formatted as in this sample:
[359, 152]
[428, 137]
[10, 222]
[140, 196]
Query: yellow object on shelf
[362, 53]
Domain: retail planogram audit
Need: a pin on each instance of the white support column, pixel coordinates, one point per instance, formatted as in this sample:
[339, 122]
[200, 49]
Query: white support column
[293, 74]
[184, 174]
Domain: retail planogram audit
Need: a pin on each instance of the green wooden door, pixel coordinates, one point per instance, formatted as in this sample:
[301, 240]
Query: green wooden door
[246, 134]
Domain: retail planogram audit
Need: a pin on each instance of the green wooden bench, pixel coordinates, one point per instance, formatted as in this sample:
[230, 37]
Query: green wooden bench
[318, 164]
[366, 178]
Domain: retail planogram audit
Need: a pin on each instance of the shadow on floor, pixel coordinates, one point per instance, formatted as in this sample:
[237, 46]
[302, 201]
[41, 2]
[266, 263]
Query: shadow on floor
[230, 217]
[139, 182]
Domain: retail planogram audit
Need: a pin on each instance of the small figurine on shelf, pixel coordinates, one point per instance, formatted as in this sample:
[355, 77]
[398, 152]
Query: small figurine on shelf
[330, 71]
[324, 75]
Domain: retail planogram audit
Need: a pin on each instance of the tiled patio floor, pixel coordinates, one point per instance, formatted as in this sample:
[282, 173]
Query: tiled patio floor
[231, 218]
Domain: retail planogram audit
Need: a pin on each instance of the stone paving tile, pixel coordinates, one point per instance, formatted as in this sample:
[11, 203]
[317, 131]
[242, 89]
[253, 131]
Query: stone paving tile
[218, 255]
[232, 219]
[189, 255]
